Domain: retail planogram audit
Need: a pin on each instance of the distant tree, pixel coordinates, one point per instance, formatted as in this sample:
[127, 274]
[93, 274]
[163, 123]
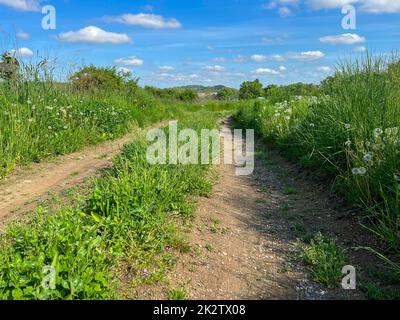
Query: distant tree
[227, 94]
[9, 67]
[268, 88]
[251, 90]
[92, 77]
[186, 95]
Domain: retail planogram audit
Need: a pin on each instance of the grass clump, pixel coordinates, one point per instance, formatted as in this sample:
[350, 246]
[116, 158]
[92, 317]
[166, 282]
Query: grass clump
[325, 260]
[178, 294]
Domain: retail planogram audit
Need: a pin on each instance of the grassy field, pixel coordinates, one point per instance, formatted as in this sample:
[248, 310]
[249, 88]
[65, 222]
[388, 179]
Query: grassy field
[347, 133]
[131, 218]
[346, 129]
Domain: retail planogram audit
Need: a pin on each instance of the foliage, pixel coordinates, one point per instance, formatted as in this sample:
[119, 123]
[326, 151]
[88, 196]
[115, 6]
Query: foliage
[178, 94]
[129, 218]
[98, 78]
[227, 94]
[325, 260]
[277, 94]
[9, 67]
[351, 135]
[251, 90]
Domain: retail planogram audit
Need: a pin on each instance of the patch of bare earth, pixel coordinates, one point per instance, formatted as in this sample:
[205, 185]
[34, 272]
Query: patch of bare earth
[245, 236]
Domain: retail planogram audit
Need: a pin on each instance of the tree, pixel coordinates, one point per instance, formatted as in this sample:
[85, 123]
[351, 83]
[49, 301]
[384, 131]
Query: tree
[227, 94]
[9, 67]
[92, 77]
[251, 90]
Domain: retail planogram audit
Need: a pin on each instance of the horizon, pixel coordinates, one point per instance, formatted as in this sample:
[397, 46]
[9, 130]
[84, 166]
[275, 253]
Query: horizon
[172, 44]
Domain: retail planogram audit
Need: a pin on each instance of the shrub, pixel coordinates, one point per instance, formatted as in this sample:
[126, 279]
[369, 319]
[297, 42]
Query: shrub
[92, 78]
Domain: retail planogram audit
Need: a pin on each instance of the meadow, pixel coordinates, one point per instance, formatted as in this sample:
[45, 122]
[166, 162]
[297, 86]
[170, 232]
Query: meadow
[346, 129]
[348, 133]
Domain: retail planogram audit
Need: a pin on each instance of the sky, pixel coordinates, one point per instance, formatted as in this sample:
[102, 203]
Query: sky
[169, 43]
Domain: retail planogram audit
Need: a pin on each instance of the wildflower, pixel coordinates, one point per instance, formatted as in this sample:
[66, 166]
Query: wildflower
[368, 157]
[378, 132]
[348, 143]
[312, 125]
[49, 127]
[359, 171]
[29, 101]
[65, 127]
[287, 118]
[347, 126]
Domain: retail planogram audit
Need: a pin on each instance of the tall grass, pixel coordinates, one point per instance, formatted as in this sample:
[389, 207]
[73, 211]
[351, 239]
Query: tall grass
[129, 219]
[40, 117]
[350, 134]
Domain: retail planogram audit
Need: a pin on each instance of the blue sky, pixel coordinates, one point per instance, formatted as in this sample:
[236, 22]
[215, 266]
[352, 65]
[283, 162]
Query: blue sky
[209, 42]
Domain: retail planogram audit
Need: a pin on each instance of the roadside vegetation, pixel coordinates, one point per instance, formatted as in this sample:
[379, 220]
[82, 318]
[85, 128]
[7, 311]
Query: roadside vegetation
[131, 219]
[346, 130]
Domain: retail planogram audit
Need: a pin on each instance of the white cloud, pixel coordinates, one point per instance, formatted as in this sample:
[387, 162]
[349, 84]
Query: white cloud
[371, 6]
[124, 70]
[22, 52]
[146, 20]
[329, 4]
[94, 35]
[381, 6]
[167, 68]
[284, 12]
[22, 5]
[23, 35]
[305, 56]
[130, 61]
[240, 59]
[325, 69]
[360, 49]
[282, 68]
[263, 58]
[346, 38]
[258, 58]
[215, 68]
[266, 71]
[177, 77]
[219, 59]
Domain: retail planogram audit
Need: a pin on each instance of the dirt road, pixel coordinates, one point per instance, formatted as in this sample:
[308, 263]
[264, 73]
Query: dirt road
[20, 192]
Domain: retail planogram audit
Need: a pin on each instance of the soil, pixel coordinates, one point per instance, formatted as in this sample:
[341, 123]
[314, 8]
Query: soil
[244, 240]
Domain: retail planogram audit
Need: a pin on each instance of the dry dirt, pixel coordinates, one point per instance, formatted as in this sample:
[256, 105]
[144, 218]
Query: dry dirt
[245, 236]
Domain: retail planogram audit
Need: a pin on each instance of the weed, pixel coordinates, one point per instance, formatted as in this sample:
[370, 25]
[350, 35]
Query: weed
[178, 294]
[325, 260]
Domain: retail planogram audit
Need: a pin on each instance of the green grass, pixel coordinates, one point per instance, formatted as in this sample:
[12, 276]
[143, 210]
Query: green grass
[349, 134]
[130, 219]
[178, 294]
[325, 260]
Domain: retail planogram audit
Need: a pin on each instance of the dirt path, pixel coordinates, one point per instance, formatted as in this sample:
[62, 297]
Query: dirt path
[245, 237]
[21, 191]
